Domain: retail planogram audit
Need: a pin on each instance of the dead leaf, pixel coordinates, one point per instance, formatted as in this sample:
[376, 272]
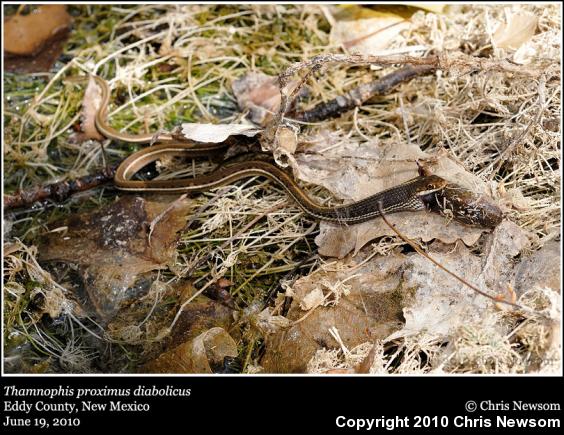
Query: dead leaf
[439, 310]
[335, 241]
[338, 241]
[441, 304]
[33, 42]
[366, 31]
[201, 314]
[260, 95]
[541, 269]
[201, 355]
[25, 35]
[111, 247]
[518, 28]
[369, 311]
[216, 133]
[507, 241]
[90, 105]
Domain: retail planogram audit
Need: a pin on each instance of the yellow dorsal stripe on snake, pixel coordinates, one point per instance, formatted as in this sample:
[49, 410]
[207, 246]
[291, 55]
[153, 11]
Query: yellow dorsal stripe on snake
[425, 192]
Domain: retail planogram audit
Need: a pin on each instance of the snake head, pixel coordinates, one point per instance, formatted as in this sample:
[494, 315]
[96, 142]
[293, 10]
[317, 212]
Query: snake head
[429, 185]
[461, 204]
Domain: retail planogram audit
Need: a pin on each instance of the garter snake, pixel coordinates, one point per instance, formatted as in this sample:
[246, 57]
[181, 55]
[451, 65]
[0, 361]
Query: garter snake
[428, 192]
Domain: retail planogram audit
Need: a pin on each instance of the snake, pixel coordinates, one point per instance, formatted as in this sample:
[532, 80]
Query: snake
[425, 192]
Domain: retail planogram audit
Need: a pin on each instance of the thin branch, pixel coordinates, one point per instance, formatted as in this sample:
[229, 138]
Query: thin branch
[58, 191]
[315, 63]
[361, 94]
[456, 63]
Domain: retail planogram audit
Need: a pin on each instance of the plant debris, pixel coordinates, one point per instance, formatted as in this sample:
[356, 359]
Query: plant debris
[519, 28]
[115, 246]
[365, 173]
[34, 41]
[90, 105]
[260, 95]
[359, 300]
[201, 355]
[216, 133]
[365, 31]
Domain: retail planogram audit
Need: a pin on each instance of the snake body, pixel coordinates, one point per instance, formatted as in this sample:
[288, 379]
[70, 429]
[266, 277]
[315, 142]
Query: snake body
[404, 197]
[429, 192]
[111, 133]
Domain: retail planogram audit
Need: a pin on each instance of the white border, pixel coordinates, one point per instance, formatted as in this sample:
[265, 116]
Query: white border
[215, 375]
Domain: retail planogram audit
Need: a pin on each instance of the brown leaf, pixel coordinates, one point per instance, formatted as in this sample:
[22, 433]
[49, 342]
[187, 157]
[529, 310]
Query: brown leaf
[338, 241]
[197, 356]
[27, 34]
[540, 269]
[260, 94]
[198, 316]
[90, 105]
[371, 310]
[33, 42]
[111, 247]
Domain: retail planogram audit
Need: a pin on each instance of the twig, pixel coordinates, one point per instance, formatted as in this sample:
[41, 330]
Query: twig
[316, 61]
[58, 191]
[456, 63]
[361, 94]
[286, 102]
